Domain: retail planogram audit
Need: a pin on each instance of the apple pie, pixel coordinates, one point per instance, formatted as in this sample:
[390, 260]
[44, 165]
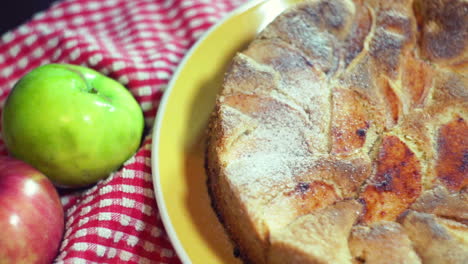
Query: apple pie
[340, 135]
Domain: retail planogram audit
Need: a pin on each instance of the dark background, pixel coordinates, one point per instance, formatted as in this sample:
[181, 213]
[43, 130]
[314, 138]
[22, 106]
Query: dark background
[15, 12]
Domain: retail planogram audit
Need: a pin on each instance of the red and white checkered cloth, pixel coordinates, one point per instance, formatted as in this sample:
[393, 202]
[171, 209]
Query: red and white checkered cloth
[139, 43]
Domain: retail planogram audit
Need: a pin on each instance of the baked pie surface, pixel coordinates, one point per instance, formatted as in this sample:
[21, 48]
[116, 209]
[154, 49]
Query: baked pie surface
[340, 135]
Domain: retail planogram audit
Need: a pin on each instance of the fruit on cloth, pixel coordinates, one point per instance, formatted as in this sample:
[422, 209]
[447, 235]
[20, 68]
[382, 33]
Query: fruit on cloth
[72, 123]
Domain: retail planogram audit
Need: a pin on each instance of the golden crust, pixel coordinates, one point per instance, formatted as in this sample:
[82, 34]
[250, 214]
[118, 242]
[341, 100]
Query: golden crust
[382, 242]
[340, 135]
[444, 34]
[452, 163]
[319, 237]
[433, 239]
[440, 202]
[396, 183]
[349, 133]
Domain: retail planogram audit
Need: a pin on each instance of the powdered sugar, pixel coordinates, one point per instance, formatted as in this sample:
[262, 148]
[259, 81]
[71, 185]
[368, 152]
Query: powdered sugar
[273, 153]
[317, 125]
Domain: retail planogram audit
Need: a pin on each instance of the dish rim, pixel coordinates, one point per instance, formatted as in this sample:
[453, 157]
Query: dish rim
[156, 133]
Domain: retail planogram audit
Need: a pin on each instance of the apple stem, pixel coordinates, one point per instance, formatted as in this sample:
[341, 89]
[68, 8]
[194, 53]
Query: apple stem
[89, 88]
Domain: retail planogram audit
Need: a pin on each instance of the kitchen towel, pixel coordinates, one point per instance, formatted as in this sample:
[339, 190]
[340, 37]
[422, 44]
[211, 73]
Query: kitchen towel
[139, 43]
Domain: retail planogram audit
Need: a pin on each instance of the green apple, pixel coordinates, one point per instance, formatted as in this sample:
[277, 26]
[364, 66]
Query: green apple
[72, 123]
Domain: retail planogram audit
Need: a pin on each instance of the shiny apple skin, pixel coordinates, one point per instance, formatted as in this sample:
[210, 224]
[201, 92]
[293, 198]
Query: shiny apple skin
[72, 123]
[31, 215]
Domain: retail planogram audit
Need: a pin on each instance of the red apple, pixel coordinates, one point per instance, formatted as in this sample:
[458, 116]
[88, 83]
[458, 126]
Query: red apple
[31, 215]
